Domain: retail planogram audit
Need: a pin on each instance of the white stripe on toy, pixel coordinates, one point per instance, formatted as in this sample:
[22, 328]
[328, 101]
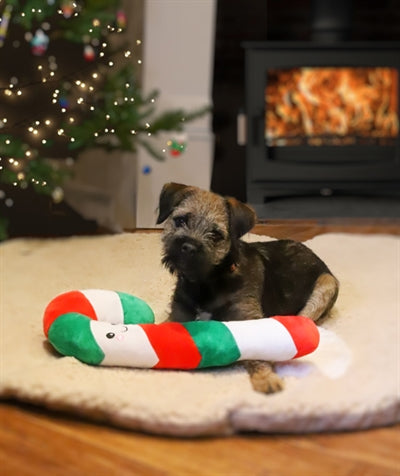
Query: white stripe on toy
[106, 304]
[262, 339]
[124, 348]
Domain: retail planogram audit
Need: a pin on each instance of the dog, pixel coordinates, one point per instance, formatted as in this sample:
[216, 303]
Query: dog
[223, 278]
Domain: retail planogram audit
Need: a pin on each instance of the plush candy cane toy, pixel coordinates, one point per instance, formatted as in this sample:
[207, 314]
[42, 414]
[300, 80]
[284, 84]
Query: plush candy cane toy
[102, 327]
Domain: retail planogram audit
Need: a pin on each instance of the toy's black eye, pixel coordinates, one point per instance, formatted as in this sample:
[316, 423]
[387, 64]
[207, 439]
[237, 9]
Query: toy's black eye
[124, 329]
[180, 221]
[110, 335]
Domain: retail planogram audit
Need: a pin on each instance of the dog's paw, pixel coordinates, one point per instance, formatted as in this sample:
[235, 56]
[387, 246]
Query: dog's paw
[263, 378]
[267, 384]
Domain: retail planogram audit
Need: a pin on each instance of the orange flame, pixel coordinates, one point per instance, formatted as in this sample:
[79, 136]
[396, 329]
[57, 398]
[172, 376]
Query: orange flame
[331, 106]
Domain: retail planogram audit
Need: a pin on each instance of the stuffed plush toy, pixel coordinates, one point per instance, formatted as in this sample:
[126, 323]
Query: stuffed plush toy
[102, 327]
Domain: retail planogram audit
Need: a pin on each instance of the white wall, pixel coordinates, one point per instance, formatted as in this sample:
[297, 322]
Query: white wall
[178, 49]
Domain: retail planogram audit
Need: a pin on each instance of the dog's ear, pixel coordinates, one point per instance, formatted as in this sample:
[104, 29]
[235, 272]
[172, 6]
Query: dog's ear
[170, 197]
[242, 217]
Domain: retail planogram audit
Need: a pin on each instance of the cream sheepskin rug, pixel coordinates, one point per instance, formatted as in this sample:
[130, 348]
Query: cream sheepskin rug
[351, 381]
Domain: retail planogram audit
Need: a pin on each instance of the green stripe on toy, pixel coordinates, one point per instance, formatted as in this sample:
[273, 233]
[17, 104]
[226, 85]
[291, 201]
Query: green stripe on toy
[70, 334]
[206, 334]
[102, 327]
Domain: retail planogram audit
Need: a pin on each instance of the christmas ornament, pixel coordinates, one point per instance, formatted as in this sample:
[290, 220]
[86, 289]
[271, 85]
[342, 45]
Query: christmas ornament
[67, 8]
[5, 20]
[63, 102]
[121, 19]
[88, 53]
[146, 170]
[177, 145]
[39, 43]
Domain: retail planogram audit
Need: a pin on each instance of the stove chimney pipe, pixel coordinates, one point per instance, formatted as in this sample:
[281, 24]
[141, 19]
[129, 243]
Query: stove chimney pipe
[331, 20]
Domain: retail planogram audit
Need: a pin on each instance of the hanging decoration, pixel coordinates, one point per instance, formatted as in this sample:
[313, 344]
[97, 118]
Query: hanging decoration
[67, 8]
[39, 43]
[89, 53]
[5, 20]
[63, 102]
[177, 145]
[146, 170]
[121, 19]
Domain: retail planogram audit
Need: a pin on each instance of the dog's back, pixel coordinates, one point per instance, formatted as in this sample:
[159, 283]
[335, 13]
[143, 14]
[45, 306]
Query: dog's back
[296, 280]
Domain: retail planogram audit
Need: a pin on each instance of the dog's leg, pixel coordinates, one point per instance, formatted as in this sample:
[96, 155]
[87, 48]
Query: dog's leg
[179, 313]
[322, 298]
[262, 376]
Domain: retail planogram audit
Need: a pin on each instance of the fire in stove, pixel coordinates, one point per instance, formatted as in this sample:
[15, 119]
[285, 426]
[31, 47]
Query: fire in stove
[319, 106]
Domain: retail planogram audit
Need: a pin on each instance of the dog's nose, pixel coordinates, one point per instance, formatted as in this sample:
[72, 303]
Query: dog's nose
[188, 248]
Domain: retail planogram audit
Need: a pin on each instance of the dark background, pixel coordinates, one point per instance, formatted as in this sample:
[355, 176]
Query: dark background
[261, 20]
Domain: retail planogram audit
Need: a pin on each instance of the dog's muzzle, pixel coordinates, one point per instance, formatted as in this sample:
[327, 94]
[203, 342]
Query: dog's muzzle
[189, 249]
[188, 258]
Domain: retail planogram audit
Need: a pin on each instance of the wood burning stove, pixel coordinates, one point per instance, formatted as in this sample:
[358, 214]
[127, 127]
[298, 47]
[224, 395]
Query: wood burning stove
[322, 118]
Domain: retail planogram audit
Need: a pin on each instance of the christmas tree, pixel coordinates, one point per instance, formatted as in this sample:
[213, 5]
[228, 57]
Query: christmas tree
[69, 82]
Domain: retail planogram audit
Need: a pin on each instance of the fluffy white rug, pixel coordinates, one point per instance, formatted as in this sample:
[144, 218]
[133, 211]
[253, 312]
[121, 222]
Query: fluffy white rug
[351, 382]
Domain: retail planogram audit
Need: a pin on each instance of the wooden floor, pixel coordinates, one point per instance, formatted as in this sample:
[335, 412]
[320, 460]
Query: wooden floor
[38, 442]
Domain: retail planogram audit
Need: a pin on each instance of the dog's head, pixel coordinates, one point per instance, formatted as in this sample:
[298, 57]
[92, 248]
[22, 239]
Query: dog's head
[201, 230]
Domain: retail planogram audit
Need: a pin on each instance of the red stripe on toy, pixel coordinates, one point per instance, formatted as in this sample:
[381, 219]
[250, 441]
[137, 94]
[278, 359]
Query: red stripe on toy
[304, 333]
[72, 301]
[173, 345]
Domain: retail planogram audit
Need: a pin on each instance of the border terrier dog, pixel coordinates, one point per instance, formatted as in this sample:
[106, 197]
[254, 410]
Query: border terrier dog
[223, 278]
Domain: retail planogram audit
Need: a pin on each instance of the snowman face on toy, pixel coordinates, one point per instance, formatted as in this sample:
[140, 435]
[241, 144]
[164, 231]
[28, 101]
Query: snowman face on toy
[125, 345]
[118, 332]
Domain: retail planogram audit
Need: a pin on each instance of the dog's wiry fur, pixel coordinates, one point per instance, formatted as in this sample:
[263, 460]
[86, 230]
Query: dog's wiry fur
[224, 278]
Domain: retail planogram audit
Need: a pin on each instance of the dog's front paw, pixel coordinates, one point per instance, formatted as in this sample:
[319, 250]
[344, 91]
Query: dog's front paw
[263, 378]
[266, 384]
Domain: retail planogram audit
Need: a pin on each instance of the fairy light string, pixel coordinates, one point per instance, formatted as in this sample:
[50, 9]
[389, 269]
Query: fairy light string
[72, 95]
[57, 104]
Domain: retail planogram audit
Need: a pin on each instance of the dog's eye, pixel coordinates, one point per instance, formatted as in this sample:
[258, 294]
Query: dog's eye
[180, 221]
[216, 235]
